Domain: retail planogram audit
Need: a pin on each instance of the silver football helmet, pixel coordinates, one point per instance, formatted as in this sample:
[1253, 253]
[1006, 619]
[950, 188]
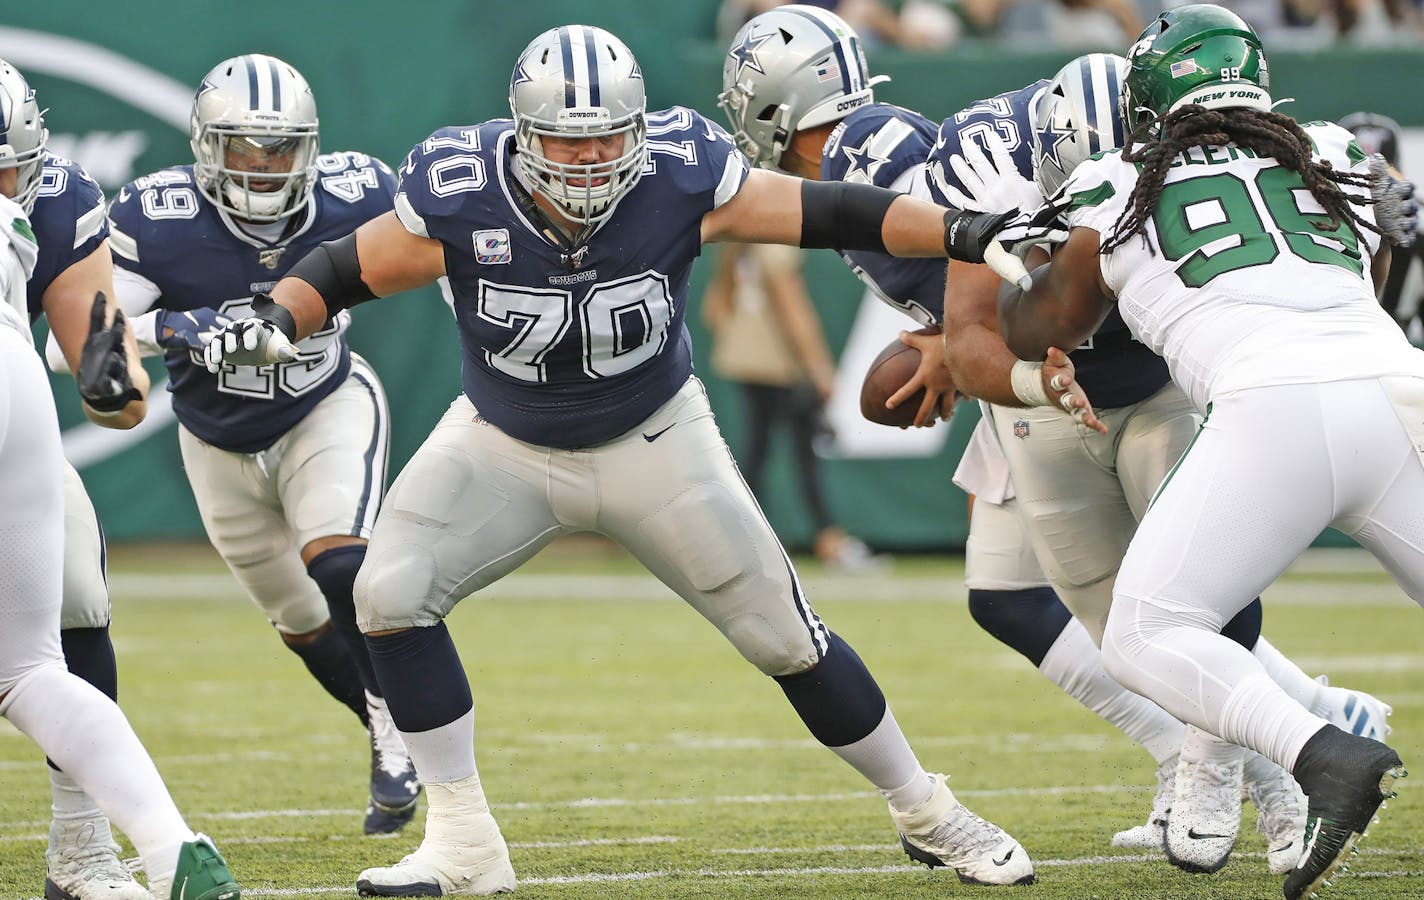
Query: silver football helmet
[1077, 115]
[22, 134]
[575, 82]
[792, 68]
[254, 138]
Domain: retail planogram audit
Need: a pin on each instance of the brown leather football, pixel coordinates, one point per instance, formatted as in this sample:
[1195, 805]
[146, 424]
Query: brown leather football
[887, 373]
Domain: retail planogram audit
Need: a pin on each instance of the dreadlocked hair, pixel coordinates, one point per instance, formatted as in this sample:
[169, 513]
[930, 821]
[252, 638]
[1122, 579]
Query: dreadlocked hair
[1265, 133]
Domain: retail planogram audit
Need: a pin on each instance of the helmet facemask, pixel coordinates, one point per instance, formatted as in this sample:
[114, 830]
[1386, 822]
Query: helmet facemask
[259, 175]
[579, 83]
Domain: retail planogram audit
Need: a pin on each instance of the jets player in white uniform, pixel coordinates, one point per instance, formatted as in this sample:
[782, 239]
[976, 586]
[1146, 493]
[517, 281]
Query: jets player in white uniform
[568, 236]
[832, 128]
[74, 723]
[1241, 246]
[287, 462]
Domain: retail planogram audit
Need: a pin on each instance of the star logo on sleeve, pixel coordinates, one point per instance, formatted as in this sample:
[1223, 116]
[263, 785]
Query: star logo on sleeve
[745, 53]
[864, 162]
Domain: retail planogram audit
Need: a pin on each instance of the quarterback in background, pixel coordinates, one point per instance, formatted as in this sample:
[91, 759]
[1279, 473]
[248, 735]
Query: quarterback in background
[568, 236]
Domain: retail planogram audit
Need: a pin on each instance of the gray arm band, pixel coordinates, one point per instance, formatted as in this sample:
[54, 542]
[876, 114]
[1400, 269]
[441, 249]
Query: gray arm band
[844, 216]
[334, 270]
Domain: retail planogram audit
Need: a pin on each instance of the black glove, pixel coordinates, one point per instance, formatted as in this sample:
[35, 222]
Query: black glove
[103, 377]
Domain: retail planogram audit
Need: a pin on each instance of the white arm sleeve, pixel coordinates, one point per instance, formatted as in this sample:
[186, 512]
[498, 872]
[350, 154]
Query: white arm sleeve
[136, 296]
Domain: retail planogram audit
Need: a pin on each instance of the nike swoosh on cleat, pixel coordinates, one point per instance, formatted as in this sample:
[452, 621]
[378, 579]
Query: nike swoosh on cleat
[1192, 833]
[656, 434]
[1002, 862]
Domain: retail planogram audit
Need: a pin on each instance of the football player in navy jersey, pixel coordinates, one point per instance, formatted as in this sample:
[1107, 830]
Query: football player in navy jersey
[53, 601]
[287, 461]
[786, 114]
[568, 235]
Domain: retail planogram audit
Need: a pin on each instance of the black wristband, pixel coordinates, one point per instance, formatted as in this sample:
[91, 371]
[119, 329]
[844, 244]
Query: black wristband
[334, 270]
[967, 234]
[269, 310]
[114, 403]
[842, 216]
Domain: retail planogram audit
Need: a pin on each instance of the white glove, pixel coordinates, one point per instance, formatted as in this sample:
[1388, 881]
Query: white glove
[248, 342]
[1396, 210]
[990, 183]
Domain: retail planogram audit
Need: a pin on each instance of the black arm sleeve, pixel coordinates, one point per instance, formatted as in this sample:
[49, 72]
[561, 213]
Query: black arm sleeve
[335, 271]
[842, 216]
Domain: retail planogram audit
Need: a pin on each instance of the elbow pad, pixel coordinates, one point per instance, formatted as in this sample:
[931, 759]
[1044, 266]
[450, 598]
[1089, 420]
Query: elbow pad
[841, 216]
[335, 271]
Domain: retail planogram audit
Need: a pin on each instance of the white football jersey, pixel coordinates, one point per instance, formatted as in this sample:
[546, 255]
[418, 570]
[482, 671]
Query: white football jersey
[1237, 288]
[18, 253]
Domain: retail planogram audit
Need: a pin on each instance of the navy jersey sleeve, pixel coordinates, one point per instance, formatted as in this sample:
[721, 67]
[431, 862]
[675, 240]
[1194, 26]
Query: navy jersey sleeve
[1009, 114]
[441, 172]
[361, 183]
[699, 154]
[69, 224]
[137, 214]
[877, 145]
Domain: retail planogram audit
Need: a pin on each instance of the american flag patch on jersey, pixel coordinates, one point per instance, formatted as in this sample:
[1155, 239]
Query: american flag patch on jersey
[1184, 67]
[828, 72]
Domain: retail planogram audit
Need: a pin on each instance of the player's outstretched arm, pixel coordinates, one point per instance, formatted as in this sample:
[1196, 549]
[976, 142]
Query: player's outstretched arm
[1066, 304]
[378, 259]
[69, 306]
[772, 208]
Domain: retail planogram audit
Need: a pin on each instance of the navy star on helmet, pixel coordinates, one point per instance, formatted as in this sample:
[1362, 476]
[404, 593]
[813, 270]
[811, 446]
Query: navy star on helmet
[789, 69]
[1077, 114]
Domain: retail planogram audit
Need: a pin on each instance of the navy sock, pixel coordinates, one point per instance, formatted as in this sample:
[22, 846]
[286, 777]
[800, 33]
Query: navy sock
[838, 699]
[334, 571]
[1028, 620]
[1245, 627]
[420, 671]
[329, 660]
[89, 653]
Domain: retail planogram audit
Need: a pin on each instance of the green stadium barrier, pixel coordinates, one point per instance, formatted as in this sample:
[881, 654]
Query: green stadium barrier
[118, 79]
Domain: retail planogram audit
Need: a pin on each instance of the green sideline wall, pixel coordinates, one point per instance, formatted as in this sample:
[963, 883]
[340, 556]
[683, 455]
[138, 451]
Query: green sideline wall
[387, 75]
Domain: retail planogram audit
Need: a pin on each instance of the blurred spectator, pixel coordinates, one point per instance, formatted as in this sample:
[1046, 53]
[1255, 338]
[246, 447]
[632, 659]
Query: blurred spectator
[767, 339]
[914, 25]
[1093, 24]
[1403, 292]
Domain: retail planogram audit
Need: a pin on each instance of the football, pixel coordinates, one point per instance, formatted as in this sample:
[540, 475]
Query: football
[889, 370]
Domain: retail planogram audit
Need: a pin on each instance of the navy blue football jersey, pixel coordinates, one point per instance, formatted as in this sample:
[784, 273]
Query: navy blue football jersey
[877, 144]
[165, 230]
[69, 224]
[1113, 369]
[569, 344]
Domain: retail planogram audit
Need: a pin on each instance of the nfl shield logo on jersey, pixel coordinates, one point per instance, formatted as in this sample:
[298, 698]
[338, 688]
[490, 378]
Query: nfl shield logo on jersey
[271, 256]
[492, 247]
[1021, 428]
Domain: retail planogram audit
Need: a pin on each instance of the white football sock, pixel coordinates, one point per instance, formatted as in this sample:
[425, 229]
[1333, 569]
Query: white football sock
[68, 801]
[884, 757]
[1302, 688]
[87, 736]
[1075, 664]
[444, 754]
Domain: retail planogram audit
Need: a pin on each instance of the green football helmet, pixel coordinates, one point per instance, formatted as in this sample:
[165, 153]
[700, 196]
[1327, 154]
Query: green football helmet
[1200, 54]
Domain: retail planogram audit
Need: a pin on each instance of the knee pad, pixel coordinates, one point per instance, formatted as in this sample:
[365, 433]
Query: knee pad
[395, 588]
[1028, 621]
[1075, 556]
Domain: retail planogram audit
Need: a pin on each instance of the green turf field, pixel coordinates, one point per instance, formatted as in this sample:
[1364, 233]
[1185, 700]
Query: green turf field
[629, 752]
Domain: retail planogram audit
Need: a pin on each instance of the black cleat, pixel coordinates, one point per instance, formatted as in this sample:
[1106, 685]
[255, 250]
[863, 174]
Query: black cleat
[1346, 780]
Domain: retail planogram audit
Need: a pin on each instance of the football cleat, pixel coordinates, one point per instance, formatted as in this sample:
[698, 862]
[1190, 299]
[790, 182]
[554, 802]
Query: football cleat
[1358, 713]
[463, 851]
[394, 784]
[1149, 836]
[82, 863]
[202, 874]
[1346, 780]
[1280, 811]
[941, 832]
[1206, 806]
